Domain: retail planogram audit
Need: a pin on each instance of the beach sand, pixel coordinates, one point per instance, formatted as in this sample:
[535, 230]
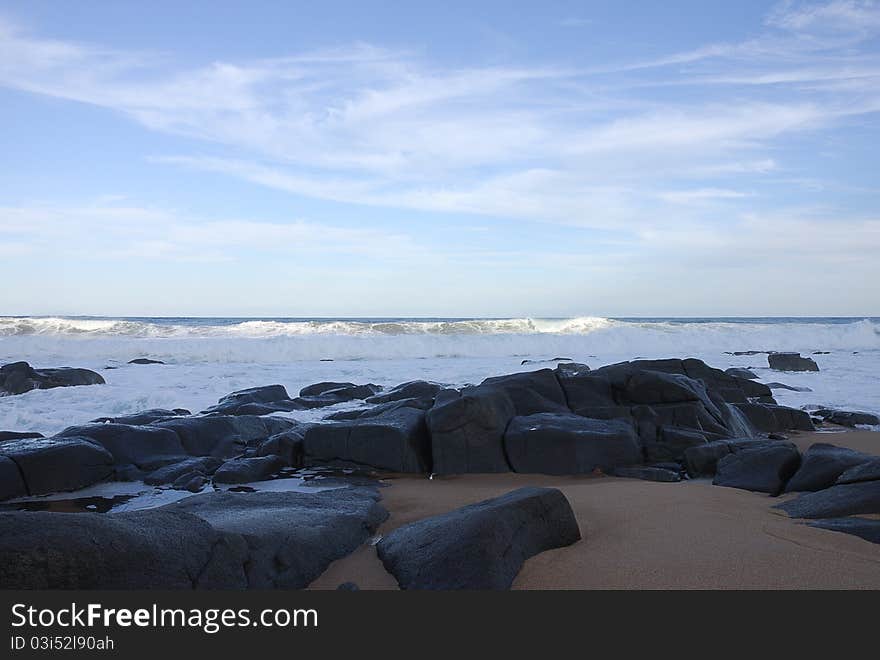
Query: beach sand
[645, 535]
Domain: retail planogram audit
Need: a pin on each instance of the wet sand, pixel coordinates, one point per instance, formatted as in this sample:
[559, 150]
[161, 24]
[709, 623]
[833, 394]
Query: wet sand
[645, 535]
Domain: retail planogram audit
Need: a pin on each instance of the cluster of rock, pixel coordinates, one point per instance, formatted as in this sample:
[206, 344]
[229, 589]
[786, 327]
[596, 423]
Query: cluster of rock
[20, 377]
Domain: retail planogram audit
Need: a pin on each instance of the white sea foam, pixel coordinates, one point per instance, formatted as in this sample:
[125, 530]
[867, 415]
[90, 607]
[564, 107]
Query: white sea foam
[207, 359]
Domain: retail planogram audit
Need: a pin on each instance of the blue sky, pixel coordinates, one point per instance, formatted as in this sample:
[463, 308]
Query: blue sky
[444, 159]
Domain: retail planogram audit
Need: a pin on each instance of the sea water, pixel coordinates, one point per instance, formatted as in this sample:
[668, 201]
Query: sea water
[209, 357]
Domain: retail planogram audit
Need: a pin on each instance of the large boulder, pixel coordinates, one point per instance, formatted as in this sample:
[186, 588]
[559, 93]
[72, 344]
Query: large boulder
[48, 465]
[198, 465]
[565, 443]
[671, 444]
[531, 392]
[415, 389]
[381, 409]
[144, 417]
[865, 528]
[223, 436]
[467, 429]
[254, 401]
[851, 418]
[143, 446]
[287, 445]
[20, 377]
[396, 440]
[329, 394]
[289, 539]
[842, 500]
[702, 459]
[245, 470]
[481, 546]
[867, 471]
[18, 435]
[791, 362]
[764, 469]
[822, 464]
[769, 418]
[11, 480]
[152, 549]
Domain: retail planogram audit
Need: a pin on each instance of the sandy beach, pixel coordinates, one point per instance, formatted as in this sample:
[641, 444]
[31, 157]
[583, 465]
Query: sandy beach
[645, 535]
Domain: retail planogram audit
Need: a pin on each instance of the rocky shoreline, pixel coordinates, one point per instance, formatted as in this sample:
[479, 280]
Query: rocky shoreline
[656, 420]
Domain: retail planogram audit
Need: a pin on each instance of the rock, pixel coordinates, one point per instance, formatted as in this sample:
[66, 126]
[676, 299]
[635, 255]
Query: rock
[702, 460]
[18, 435]
[481, 546]
[254, 401]
[289, 539]
[144, 417]
[416, 389]
[531, 392]
[822, 464]
[330, 397]
[288, 446]
[647, 473]
[396, 440]
[223, 436]
[851, 418]
[203, 465]
[145, 361]
[319, 388]
[143, 446]
[741, 372]
[151, 549]
[245, 470]
[791, 388]
[772, 418]
[841, 500]
[791, 362]
[20, 377]
[348, 586]
[764, 469]
[49, 465]
[564, 443]
[193, 482]
[672, 444]
[381, 409]
[866, 471]
[467, 429]
[571, 370]
[865, 528]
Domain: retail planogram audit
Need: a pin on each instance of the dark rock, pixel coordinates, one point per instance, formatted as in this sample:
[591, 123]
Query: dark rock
[571, 370]
[864, 528]
[145, 361]
[821, 352]
[142, 446]
[152, 549]
[223, 436]
[851, 418]
[790, 388]
[245, 470]
[330, 397]
[396, 440]
[20, 377]
[381, 409]
[531, 392]
[741, 372]
[564, 443]
[204, 465]
[48, 465]
[763, 469]
[821, 466]
[319, 388]
[416, 389]
[866, 471]
[348, 586]
[746, 352]
[772, 418]
[144, 417]
[672, 444]
[791, 362]
[18, 435]
[842, 500]
[467, 429]
[11, 480]
[647, 473]
[289, 539]
[193, 482]
[481, 546]
[254, 400]
[288, 446]
[702, 460]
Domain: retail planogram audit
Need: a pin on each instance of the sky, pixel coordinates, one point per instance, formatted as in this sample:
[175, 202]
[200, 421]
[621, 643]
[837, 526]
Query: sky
[495, 159]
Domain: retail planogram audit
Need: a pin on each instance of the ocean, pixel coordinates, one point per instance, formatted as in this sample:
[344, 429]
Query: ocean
[209, 357]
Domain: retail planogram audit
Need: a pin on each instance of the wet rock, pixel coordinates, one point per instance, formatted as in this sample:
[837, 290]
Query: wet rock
[773, 418]
[764, 469]
[396, 440]
[144, 417]
[791, 388]
[416, 389]
[864, 528]
[288, 446]
[202, 465]
[145, 361]
[791, 362]
[193, 482]
[467, 429]
[822, 464]
[20, 377]
[672, 444]
[481, 546]
[254, 401]
[381, 409]
[702, 460]
[329, 397]
[11, 480]
[647, 473]
[18, 435]
[866, 471]
[565, 443]
[48, 465]
[851, 418]
[142, 446]
[741, 372]
[531, 392]
[223, 436]
[841, 500]
[245, 470]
